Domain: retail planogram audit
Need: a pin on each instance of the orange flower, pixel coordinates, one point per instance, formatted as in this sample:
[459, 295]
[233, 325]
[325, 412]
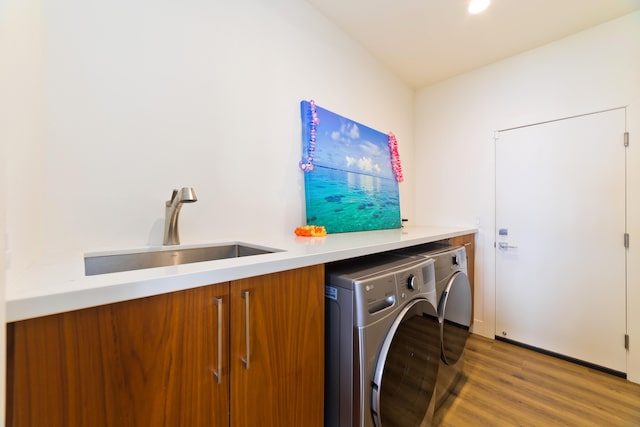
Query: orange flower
[311, 231]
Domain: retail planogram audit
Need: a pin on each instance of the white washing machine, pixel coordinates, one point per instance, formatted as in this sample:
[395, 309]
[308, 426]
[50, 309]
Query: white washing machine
[454, 311]
[382, 342]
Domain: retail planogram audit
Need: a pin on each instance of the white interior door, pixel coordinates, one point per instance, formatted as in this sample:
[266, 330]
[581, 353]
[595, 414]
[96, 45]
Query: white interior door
[560, 224]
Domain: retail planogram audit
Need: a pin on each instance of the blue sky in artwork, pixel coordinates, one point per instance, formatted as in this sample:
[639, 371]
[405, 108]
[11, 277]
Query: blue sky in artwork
[350, 146]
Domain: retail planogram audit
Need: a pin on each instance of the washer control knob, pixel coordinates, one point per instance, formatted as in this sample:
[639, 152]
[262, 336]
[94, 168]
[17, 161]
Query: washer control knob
[411, 282]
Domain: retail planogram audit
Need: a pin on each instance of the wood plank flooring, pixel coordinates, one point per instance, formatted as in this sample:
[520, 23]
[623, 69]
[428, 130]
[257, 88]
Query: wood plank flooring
[505, 385]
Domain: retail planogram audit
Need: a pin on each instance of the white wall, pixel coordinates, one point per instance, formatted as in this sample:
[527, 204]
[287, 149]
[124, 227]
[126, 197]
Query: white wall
[455, 123]
[20, 125]
[142, 97]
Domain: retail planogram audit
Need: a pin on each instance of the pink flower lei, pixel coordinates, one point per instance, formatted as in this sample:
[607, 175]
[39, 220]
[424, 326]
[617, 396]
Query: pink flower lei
[306, 164]
[396, 166]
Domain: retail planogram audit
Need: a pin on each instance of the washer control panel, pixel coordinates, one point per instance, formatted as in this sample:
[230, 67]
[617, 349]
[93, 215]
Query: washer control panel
[383, 283]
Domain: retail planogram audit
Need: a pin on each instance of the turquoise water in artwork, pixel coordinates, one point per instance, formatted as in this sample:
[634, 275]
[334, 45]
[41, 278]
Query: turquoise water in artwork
[349, 201]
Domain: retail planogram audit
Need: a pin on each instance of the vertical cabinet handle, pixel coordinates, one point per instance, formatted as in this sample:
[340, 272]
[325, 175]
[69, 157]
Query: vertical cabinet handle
[218, 372]
[246, 361]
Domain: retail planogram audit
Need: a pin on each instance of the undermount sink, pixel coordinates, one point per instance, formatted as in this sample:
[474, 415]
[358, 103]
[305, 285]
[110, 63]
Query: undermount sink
[103, 264]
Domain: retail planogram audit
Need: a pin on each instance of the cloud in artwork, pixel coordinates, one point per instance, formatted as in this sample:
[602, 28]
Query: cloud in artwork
[353, 131]
[347, 133]
[367, 165]
[370, 148]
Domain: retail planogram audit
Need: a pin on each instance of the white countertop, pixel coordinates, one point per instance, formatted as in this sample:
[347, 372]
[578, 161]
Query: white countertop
[60, 285]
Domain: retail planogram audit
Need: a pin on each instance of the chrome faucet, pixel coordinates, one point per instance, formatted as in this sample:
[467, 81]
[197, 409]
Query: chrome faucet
[172, 211]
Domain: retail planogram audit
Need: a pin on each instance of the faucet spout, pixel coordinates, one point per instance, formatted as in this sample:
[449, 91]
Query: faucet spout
[172, 213]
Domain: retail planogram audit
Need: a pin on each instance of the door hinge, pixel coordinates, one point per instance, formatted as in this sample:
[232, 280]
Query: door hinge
[626, 341]
[626, 240]
[626, 139]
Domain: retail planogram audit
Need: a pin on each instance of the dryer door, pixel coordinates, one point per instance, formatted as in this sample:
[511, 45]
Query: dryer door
[407, 368]
[455, 311]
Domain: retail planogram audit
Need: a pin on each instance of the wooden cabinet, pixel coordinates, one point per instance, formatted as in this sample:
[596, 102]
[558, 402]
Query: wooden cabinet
[284, 382]
[147, 361]
[468, 241]
[176, 359]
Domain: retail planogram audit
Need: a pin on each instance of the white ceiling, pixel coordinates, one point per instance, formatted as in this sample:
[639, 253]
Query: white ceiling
[425, 41]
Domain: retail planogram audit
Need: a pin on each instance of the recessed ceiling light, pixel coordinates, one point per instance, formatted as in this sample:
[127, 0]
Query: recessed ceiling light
[477, 6]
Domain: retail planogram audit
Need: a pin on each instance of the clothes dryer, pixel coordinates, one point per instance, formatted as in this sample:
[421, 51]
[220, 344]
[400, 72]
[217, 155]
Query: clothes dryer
[382, 342]
[454, 311]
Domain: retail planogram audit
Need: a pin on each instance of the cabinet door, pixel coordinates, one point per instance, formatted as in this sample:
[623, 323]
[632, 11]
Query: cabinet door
[282, 384]
[144, 362]
[468, 242]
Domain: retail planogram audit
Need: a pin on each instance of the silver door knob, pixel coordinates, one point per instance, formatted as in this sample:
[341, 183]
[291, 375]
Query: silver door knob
[505, 246]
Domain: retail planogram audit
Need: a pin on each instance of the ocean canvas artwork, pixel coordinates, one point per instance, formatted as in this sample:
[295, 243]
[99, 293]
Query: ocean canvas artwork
[350, 184]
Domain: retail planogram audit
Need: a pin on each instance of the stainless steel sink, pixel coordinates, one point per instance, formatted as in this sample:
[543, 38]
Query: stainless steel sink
[103, 264]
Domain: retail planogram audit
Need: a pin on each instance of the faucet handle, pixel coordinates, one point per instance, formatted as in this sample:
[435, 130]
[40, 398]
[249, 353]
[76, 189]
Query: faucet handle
[173, 196]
